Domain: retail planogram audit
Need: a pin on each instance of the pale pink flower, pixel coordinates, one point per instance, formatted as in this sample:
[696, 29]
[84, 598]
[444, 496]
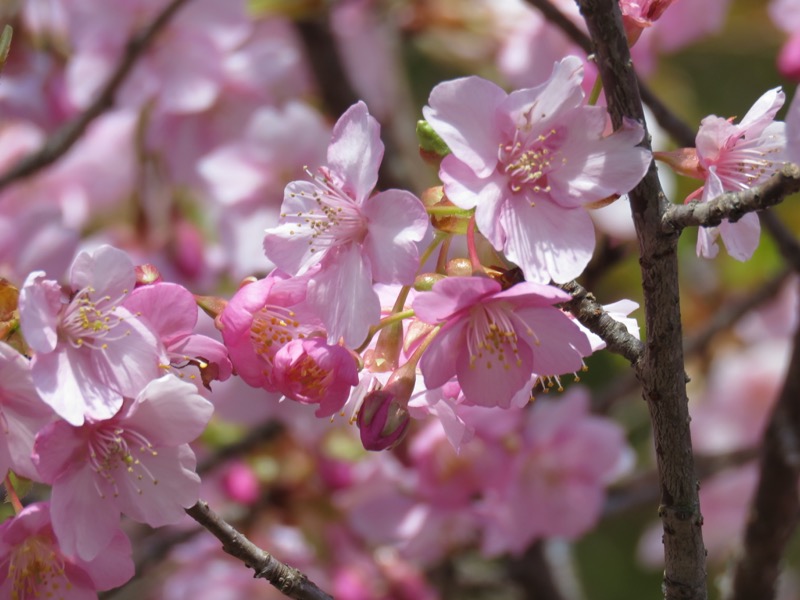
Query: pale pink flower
[170, 311]
[138, 463]
[529, 161]
[33, 565]
[355, 238]
[640, 14]
[738, 157]
[495, 340]
[554, 483]
[89, 350]
[22, 413]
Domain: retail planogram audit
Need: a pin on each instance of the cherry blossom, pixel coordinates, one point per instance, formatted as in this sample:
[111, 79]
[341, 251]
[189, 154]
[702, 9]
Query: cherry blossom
[733, 157]
[33, 565]
[529, 161]
[355, 238]
[138, 463]
[494, 340]
[89, 350]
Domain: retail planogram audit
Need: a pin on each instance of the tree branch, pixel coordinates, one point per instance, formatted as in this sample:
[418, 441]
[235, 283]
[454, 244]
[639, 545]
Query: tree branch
[69, 133]
[661, 369]
[733, 205]
[287, 580]
[680, 131]
[776, 505]
[591, 315]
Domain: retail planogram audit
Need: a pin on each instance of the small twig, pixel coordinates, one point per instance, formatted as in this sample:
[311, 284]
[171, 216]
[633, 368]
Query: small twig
[680, 131]
[288, 580]
[69, 133]
[733, 205]
[775, 507]
[591, 314]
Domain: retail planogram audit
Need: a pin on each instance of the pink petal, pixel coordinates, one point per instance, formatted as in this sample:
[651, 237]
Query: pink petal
[83, 521]
[440, 361]
[546, 241]
[162, 503]
[451, 295]
[343, 296]
[107, 270]
[169, 412]
[397, 221]
[563, 344]
[462, 112]
[487, 383]
[169, 309]
[741, 238]
[39, 308]
[356, 151]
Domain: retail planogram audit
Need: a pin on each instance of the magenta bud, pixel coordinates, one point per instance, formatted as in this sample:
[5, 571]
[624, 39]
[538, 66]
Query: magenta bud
[382, 420]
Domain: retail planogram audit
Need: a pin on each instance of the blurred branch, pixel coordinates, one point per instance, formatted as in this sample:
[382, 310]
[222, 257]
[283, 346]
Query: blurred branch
[69, 133]
[533, 573]
[291, 582]
[787, 242]
[661, 368]
[733, 205]
[776, 505]
[680, 131]
[264, 433]
[591, 314]
[338, 92]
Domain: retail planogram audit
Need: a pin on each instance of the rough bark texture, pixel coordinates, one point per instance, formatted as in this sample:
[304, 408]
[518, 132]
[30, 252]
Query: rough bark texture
[661, 370]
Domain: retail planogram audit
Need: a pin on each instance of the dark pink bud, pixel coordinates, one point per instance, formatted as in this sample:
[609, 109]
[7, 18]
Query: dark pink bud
[382, 420]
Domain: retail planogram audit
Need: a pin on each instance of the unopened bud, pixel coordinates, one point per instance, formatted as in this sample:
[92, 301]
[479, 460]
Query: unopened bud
[458, 267]
[425, 281]
[382, 421]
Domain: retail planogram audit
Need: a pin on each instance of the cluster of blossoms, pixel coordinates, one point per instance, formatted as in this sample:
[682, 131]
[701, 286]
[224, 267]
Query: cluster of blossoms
[105, 376]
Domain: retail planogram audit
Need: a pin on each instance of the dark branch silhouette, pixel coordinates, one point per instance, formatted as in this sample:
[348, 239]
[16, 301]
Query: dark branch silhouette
[291, 582]
[69, 133]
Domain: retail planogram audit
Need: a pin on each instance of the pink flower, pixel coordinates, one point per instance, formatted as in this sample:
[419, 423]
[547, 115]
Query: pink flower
[332, 221]
[258, 321]
[138, 463]
[90, 350]
[738, 157]
[554, 483]
[22, 413]
[170, 311]
[311, 371]
[33, 565]
[529, 162]
[494, 340]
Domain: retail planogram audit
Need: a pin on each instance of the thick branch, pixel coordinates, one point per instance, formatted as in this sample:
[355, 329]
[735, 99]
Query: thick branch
[69, 133]
[288, 580]
[776, 505]
[733, 205]
[591, 315]
[661, 369]
[680, 131]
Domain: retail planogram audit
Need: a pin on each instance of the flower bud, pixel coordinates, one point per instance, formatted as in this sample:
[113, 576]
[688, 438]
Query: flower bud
[382, 420]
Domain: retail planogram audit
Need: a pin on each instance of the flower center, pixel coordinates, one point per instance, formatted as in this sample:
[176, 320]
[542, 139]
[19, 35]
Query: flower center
[93, 322]
[114, 451]
[36, 570]
[526, 160]
[272, 328]
[492, 337]
[337, 219]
